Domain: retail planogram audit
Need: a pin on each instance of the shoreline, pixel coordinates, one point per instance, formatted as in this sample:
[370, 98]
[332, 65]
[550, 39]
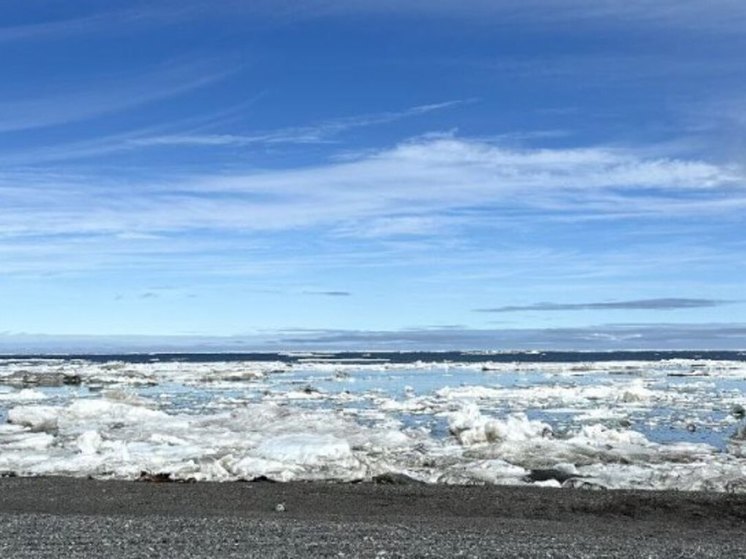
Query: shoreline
[66, 495]
[43, 516]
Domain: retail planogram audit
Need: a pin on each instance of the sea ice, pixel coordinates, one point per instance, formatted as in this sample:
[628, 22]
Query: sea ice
[611, 424]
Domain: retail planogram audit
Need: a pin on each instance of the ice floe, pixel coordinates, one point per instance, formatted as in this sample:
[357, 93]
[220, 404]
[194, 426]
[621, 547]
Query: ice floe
[673, 424]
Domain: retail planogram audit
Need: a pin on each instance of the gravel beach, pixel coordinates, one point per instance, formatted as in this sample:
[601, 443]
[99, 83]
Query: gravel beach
[54, 517]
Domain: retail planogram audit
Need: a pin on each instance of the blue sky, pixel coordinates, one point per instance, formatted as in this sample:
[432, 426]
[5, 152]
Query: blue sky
[536, 172]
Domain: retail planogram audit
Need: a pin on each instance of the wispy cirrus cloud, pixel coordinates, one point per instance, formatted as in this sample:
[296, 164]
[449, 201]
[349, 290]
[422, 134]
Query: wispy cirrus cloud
[121, 17]
[96, 146]
[688, 14]
[604, 69]
[714, 16]
[662, 304]
[49, 29]
[91, 23]
[112, 18]
[426, 177]
[162, 135]
[104, 96]
[317, 133]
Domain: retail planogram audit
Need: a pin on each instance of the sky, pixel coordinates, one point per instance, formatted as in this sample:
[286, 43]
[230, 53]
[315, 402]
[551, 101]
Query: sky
[373, 173]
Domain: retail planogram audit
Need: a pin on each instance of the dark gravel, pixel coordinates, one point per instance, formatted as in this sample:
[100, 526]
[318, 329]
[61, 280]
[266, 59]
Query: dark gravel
[62, 517]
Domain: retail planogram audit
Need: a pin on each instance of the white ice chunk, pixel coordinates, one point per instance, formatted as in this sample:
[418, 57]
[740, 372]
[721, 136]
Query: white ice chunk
[471, 427]
[89, 442]
[23, 395]
[38, 418]
[305, 449]
[28, 441]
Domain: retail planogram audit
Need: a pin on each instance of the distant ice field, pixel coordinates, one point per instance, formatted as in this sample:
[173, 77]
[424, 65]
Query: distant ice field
[643, 422]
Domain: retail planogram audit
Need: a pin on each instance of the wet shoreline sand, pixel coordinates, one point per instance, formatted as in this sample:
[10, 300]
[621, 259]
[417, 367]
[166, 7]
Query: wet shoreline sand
[47, 517]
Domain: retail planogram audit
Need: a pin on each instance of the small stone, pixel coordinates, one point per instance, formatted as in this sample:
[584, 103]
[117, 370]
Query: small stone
[261, 479]
[160, 477]
[280, 507]
[738, 411]
[72, 380]
[395, 478]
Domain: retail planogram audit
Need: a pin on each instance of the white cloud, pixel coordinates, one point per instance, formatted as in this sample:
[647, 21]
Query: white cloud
[408, 185]
[318, 133]
[191, 134]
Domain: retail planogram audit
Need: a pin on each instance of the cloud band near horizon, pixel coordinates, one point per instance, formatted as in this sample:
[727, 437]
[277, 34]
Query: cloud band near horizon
[662, 304]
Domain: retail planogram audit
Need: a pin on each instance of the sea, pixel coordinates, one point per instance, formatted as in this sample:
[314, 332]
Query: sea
[673, 420]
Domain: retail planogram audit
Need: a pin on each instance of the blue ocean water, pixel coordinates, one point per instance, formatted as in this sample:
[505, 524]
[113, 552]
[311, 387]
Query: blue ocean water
[400, 356]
